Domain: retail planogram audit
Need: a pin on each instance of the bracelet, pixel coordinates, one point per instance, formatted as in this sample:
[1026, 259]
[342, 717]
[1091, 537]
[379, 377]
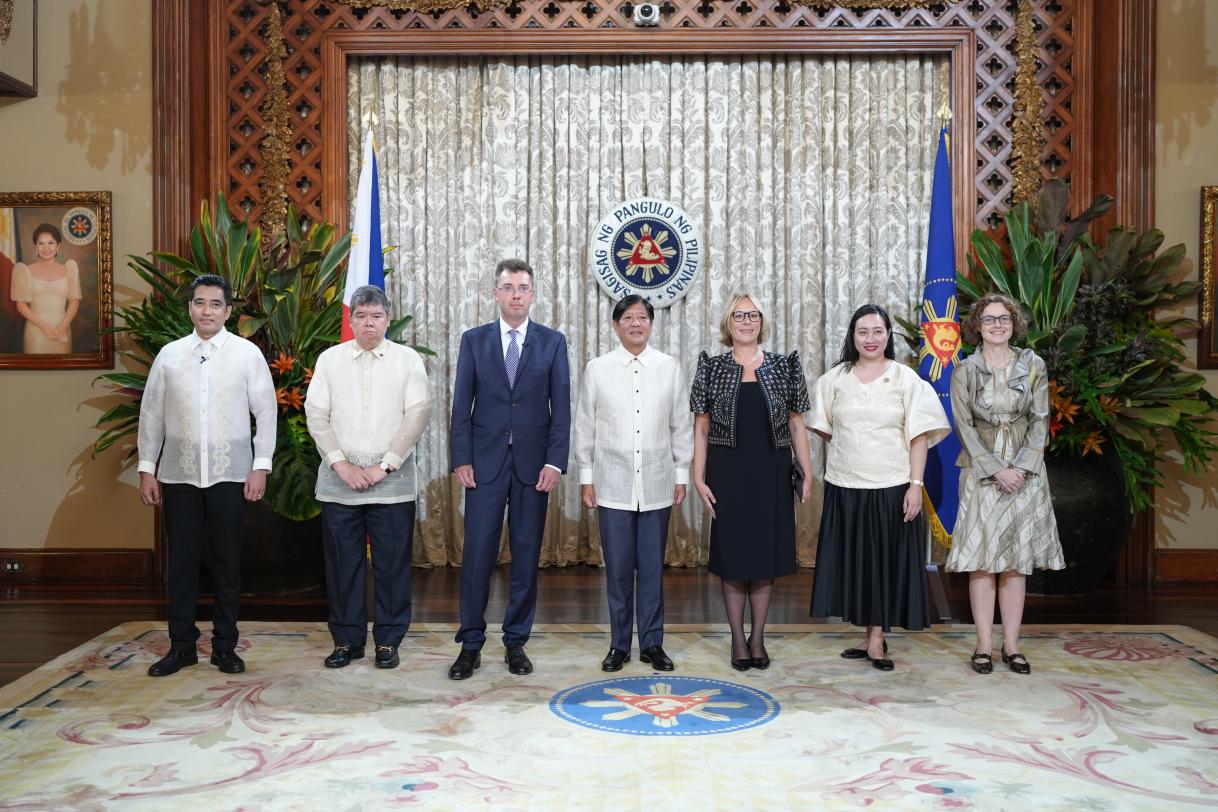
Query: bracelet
[917, 482]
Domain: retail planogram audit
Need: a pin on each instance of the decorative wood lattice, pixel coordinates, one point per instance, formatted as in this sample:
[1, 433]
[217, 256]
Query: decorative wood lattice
[305, 21]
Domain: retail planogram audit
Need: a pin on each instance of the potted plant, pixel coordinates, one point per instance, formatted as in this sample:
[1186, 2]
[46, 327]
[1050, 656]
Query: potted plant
[287, 299]
[1120, 397]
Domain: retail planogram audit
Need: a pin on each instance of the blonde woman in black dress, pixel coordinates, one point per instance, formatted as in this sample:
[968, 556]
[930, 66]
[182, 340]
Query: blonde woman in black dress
[748, 406]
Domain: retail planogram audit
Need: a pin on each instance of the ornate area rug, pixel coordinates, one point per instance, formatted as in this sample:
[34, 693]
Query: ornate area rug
[1111, 718]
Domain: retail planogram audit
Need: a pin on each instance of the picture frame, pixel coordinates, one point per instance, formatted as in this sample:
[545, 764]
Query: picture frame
[1207, 338]
[19, 48]
[56, 250]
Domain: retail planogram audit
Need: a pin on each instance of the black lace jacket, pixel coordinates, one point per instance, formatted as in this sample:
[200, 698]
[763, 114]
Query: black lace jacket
[717, 382]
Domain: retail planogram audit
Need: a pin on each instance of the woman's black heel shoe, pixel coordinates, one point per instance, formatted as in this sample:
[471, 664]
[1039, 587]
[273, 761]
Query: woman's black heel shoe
[1016, 662]
[760, 663]
[982, 663]
[743, 664]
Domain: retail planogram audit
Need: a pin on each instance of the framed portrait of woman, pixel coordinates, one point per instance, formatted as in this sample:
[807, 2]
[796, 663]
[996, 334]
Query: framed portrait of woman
[56, 280]
[1207, 341]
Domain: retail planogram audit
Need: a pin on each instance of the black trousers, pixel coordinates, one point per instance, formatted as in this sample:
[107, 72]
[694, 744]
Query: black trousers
[633, 543]
[390, 528]
[216, 513]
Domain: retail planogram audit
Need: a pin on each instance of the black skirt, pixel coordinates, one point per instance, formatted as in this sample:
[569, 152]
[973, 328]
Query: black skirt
[753, 533]
[869, 568]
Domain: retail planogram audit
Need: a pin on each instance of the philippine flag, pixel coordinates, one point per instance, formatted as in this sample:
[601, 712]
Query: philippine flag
[366, 264]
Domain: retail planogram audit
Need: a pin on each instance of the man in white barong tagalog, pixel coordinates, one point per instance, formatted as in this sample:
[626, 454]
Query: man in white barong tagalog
[198, 462]
[366, 408]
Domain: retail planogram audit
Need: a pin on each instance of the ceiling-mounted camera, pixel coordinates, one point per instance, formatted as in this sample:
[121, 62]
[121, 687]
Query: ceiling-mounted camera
[646, 14]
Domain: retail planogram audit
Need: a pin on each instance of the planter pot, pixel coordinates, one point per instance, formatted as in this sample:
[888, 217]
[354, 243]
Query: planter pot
[280, 556]
[1093, 521]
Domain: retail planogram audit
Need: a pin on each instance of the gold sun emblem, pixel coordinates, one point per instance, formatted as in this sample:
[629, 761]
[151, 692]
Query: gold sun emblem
[662, 704]
[646, 253]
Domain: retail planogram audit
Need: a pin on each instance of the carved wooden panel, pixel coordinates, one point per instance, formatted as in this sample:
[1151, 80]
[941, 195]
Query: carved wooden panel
[304, 22]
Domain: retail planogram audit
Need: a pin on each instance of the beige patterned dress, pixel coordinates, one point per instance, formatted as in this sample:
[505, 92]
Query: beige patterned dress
[1002, 420]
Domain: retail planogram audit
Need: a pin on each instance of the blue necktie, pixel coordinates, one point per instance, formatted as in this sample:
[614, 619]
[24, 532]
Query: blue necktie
[512, 359]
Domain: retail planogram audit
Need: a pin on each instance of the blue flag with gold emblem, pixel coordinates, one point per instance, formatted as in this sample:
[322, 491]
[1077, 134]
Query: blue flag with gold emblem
[940, 348]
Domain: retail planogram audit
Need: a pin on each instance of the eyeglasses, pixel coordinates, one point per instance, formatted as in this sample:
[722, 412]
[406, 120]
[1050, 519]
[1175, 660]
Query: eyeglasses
[990, 321]
[741, 316]
[510, 290]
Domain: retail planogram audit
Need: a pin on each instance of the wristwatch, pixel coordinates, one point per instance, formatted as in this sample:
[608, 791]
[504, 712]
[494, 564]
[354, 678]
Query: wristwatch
[917, 482]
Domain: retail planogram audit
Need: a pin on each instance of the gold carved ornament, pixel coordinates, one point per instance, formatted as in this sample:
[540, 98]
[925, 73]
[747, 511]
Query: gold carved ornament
[277, 115]
[425, 6]
[890, 5]
[1209, 227]
[1026, 135]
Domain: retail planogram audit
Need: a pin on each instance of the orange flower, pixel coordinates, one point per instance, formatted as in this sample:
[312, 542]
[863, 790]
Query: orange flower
[284, 363]
[1067, 409]
[1092, 442]
[1055, 426]
[1108, 405]
[1055, 390]
[289, 398]
[308, 378]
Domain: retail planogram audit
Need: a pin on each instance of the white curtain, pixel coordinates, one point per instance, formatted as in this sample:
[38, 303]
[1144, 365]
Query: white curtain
[809, 177]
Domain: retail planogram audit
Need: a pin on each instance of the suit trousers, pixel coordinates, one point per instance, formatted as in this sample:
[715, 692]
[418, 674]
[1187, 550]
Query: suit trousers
[191, 513]
[526, 517]
[633, 543]
[390, 530]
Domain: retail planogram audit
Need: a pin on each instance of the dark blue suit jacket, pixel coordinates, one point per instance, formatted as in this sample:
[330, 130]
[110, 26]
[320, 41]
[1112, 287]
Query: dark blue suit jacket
[536, 412]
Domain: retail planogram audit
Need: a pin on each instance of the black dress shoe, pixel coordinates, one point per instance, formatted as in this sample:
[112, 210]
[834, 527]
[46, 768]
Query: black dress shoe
[615, 659]
[387, 657]
[172, 662]
[982, 663]
[658, 659]
[859, 653]
[342, 656]
[760, 663]
[228, 662]
[467, 662]
[1016, 662]
[517, 661]
[882, 664]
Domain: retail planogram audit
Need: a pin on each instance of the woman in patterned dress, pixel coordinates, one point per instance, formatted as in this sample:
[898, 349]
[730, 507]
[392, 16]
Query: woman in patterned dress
[748, 406]
[47, 293]
[1005, 527]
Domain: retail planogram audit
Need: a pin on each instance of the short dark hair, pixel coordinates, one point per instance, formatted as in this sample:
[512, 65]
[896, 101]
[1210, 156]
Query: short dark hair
[47, 228]
[971, 326]
[211, 280]
[850, 353]
[513, 266]
[366, 295]
[630, 301]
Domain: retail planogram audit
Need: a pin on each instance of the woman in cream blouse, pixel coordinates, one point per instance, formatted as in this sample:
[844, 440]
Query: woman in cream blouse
[1005, 527]
[47, 294]
[878, 418]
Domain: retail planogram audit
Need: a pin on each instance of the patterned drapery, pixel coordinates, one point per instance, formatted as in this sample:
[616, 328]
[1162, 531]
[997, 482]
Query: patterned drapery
[809, 177]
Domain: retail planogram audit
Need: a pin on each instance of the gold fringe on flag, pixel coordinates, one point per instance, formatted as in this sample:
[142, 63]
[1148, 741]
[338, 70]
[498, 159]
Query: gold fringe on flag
[937, 531]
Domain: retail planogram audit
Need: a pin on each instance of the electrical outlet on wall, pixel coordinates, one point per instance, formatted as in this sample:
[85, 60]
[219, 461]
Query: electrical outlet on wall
[12, 565]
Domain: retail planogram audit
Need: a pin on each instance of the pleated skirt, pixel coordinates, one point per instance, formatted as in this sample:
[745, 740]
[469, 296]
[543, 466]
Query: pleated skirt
[869, 568]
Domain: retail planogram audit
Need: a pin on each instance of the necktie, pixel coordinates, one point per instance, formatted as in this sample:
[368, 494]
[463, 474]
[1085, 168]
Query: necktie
[512, 359]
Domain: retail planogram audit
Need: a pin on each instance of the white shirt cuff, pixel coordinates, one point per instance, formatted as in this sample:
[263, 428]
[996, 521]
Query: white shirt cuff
[682, 476]
[585, 476]
[262, 464]
[333, 457]
[147, 467]
[555, 467]
[392, 460]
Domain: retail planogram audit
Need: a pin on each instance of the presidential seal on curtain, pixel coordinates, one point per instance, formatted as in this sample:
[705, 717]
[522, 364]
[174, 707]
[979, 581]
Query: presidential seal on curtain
[647, 246]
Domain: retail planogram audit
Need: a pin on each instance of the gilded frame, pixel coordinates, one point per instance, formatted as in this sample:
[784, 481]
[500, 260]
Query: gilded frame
[82, 222]
[1207, 338]
[19, 48]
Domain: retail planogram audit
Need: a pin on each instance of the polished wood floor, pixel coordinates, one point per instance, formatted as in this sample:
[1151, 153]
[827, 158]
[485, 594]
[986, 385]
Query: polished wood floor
[38, 623]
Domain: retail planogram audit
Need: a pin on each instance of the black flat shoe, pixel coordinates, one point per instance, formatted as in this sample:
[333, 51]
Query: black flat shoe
[982, 663]
[173, 662]
[467, 662]
[615, 659]
[859, 653]
[342, 656]
[228, 662]
[1016, 662]
[387, 657]
[884, 664]
[657, 658]
[763, 662]
[517, 661]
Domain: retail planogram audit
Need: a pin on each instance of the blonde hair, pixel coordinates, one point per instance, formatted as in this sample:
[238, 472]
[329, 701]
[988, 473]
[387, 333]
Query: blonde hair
[725, 323]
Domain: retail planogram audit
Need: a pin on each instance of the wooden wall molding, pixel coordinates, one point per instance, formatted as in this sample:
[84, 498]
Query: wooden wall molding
[1193, 565]
[65, 565]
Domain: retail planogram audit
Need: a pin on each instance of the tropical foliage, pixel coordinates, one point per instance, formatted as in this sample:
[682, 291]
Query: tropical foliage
[1117, 382]
[287, 299]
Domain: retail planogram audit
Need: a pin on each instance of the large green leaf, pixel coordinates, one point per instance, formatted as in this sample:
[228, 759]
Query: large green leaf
[1157, 415]
[992, 262]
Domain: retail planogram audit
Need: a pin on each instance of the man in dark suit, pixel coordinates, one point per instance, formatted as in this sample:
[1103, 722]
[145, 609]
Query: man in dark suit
[511, 426]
